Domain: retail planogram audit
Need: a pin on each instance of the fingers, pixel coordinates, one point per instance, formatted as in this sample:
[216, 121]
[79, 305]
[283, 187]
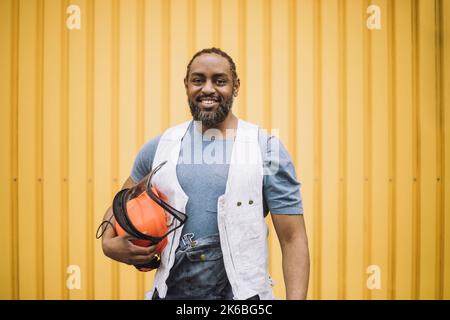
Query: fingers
[133, 254]
[131, 238]
[142, 259]
[142, 254]
[138, 250]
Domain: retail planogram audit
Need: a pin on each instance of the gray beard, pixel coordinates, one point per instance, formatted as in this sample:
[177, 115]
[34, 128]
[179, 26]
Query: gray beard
[211, 119]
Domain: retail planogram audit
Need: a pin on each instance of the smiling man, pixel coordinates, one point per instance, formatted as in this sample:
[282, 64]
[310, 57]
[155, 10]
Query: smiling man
[227, 176]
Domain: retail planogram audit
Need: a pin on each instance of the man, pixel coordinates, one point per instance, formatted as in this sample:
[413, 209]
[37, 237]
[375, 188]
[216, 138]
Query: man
[221, 251]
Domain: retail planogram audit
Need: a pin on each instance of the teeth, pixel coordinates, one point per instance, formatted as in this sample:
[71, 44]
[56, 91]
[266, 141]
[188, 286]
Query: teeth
[208, 101]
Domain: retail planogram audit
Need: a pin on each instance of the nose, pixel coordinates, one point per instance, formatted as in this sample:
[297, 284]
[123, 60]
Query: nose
[208, 88]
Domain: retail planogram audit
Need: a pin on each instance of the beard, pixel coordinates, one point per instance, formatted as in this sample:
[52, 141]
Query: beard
[211, 119]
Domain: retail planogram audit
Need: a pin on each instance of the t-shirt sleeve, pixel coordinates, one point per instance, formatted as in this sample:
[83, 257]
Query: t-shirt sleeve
[281, 188]
[144, 160]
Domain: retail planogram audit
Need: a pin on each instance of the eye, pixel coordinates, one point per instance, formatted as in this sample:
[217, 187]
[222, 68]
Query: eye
[196, 81]
[221, 82]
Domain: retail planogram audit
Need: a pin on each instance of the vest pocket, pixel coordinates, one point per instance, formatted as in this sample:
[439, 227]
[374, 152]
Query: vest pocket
[251, 247]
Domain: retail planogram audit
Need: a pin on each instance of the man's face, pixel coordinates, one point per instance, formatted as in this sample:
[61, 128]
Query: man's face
[210, 89]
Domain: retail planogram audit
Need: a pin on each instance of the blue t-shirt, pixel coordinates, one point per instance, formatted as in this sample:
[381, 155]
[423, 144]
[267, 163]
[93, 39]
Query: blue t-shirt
[202, 171]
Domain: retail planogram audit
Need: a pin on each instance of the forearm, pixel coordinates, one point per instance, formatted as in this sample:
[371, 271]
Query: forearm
[296, 268]
[109, 232]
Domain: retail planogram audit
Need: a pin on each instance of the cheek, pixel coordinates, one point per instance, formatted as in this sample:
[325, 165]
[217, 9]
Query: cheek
[191, 92]
[226, 93]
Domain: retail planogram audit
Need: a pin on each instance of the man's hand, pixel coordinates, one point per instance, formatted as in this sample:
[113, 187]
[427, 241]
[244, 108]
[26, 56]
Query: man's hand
[120, 248]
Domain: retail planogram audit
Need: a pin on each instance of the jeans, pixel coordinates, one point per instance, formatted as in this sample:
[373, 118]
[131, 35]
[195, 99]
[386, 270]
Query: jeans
[199, 272]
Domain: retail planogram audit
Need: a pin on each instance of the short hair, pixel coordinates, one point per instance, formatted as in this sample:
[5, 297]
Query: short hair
[218, 52]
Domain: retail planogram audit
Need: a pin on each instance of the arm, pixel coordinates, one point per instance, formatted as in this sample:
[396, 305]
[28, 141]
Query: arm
[120, 248]
[291, 233]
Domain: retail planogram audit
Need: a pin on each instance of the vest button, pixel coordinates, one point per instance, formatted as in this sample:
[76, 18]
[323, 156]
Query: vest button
[202, 257]
[239, 203]
[250, 202]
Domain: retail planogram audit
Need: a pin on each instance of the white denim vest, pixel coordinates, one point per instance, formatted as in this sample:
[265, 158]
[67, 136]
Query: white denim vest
[242, 228]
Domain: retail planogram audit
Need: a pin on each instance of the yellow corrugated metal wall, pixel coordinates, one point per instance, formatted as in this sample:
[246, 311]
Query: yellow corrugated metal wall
[364, 113]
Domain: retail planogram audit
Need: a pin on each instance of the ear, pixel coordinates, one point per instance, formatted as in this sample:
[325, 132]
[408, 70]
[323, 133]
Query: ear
[186, 86]
[236, 86]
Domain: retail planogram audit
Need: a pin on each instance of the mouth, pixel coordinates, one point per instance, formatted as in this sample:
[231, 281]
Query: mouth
[208, 103]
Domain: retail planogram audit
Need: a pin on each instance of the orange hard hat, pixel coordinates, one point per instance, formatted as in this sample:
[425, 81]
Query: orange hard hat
[141, 212]
[147, 217]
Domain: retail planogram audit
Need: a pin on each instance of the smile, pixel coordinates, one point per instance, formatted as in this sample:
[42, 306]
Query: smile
[208, 102]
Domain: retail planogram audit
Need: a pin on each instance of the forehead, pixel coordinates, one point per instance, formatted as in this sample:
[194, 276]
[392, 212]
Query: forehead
[209, 64]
